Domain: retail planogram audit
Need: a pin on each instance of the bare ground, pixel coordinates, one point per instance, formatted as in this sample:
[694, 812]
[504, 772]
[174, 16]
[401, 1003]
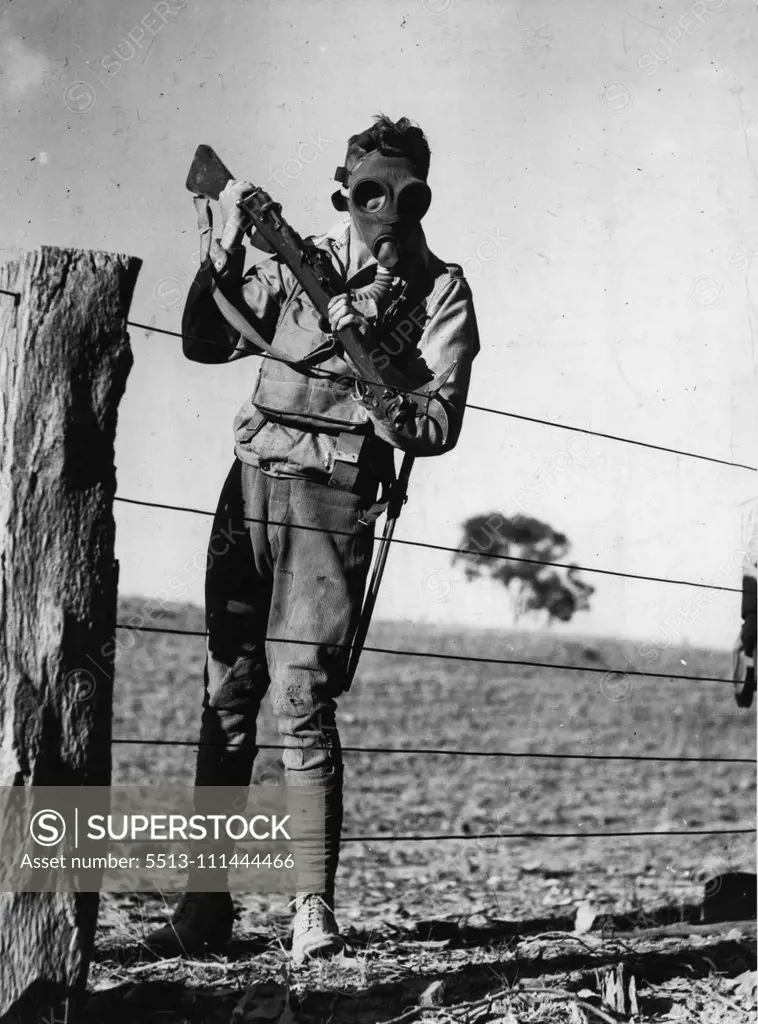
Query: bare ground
[493, 920]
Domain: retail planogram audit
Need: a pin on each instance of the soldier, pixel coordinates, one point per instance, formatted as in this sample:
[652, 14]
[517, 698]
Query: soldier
[295, 439]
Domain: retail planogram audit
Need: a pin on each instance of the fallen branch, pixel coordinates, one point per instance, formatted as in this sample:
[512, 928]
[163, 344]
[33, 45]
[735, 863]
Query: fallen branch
[563, 995]
[560, 936]
[682, 928]
[485, 1002]
[411, 1014]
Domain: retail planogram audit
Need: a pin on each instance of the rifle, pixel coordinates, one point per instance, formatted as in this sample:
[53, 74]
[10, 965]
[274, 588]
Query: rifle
[313, 270]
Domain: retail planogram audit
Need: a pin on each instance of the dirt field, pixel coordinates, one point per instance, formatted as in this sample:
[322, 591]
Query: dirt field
[494, 920]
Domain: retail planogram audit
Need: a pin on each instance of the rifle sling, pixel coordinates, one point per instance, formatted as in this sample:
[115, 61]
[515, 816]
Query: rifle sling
[240, 323]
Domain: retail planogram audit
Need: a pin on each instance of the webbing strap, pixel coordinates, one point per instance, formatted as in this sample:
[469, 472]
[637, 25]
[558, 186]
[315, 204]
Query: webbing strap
[241, 324]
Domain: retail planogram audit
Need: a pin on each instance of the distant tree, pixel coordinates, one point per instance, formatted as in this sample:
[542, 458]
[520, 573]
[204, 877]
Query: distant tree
[558, 593]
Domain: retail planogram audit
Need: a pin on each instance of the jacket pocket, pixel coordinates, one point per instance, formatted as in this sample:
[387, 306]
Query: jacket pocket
[308, 403]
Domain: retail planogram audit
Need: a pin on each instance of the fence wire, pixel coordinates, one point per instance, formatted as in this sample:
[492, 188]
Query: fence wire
[450, 657]
[477, 837]
[441, 547]
[479, 408]
[447, 752]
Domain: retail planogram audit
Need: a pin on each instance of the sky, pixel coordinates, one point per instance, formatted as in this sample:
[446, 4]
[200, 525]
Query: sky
[593, 170]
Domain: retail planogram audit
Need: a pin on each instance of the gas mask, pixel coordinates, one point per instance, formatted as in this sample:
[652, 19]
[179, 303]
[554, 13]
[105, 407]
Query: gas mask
[386, 200]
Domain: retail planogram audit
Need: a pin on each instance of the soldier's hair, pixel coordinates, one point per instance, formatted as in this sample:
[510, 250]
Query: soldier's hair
[391, 138]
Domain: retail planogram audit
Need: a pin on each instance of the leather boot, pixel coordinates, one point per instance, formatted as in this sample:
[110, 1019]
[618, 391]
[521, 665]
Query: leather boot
[201, 924]
[314, 928]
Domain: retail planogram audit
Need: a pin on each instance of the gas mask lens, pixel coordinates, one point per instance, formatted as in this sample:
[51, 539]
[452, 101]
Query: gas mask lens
[369, 196]
[414, 200]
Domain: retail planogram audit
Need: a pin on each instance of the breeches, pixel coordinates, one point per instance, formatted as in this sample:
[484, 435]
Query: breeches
[287, 567]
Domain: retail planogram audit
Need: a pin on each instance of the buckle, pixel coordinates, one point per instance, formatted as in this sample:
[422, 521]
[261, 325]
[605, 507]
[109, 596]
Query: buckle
[348, 447]
[344, 464]
[370, 515]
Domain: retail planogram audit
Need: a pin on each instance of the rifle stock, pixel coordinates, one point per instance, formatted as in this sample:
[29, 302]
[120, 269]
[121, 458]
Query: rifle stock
[207, 174]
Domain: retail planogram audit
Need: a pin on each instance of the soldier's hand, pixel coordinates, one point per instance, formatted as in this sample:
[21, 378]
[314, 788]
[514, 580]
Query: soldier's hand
[235, 222]
[343, 314]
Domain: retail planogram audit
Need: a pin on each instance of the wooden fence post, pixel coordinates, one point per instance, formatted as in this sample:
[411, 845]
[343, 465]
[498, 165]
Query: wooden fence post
[64, 360]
